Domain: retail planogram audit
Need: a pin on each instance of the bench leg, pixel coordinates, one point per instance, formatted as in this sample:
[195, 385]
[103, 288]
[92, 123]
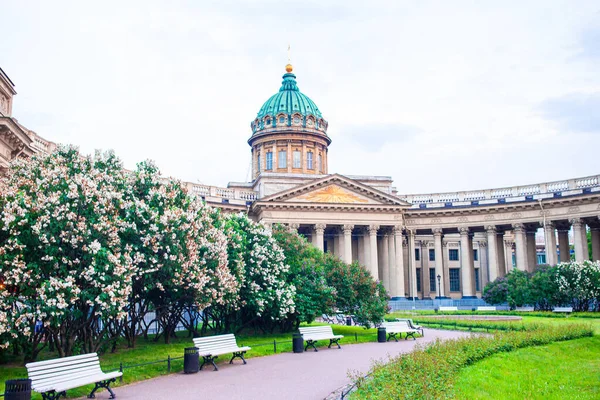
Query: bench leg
[239, 354]
[103, 384]
[310, 343]
[209, 359]
[53, 395]
[411, 334]
[332, 341]
[393, 335]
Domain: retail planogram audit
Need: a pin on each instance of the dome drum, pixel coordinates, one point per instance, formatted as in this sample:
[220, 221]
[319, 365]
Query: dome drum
[289, 133]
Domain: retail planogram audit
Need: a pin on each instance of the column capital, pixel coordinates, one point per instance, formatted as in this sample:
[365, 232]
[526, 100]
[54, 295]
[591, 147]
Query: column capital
[482, 243]
[464, 230]
[518, 228]
[320, 228]
[437, 231]
[576, 222]
[347, 229]
[397, 229]
[549, 225]
[372, 229]
[294, 227]
[491, 229]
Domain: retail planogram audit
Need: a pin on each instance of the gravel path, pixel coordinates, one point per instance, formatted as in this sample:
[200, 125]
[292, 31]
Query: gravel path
[286, 376]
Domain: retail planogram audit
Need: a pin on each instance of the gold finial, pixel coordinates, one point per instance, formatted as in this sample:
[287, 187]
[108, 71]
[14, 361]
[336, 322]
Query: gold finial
[289, 67]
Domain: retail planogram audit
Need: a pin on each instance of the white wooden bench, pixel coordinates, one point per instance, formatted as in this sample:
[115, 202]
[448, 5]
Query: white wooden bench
[448, 308]
[563, 309]
[211, 347]
[486, 308]
[412, 325]
[398, 328]
[524, 309]
[52, 378]
[312, 334]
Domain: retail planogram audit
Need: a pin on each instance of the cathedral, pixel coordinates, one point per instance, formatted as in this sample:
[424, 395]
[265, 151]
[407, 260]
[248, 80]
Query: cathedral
[420, 246]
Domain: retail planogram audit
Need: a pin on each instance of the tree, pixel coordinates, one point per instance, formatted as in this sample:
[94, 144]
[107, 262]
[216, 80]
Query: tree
[314, 296]
[496, 292]
[62, 258]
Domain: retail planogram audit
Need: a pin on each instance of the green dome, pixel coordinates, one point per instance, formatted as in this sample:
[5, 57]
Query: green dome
[289, 101]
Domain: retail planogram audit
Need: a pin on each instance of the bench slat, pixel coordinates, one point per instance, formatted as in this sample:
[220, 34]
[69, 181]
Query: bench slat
[60, 360]
[63, 368]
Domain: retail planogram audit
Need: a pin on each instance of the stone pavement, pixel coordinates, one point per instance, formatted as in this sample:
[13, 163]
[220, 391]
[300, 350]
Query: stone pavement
[289, 376]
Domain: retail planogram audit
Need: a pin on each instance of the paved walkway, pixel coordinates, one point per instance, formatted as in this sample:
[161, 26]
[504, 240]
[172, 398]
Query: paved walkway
[286, 376]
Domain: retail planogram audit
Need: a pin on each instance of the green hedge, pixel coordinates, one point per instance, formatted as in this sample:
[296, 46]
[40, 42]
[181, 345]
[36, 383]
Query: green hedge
[545, 314]
[429, 372]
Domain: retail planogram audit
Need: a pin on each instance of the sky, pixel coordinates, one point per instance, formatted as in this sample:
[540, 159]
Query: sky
[439, 95]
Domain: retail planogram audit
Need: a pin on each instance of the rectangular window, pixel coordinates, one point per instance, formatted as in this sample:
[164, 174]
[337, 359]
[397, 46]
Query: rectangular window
[418, 279]
[258, 160]
[477, 288]
[475, 255]
[454, 279]
[309, 160]
[269, 160]
[319, 164]
[432, 280]
[453, 254]
[297, 160]
[417, 254]
[431, 254]
[282, 159]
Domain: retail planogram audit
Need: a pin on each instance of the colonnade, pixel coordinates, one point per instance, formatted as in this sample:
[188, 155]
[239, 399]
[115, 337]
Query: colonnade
[450, 262]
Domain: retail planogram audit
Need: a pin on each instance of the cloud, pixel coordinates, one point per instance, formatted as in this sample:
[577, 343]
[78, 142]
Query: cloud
[375, 137]
[575, 112]
[589, 42]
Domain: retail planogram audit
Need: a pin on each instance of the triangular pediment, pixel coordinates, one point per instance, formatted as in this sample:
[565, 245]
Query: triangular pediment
[335, 189]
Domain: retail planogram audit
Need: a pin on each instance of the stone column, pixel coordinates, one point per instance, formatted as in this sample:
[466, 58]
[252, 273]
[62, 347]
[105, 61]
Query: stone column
[392, 264]
[373, 267]
[581, 249]
[493, 258]
[362, 249]
[595, 244]
[399, 261]
[275, 157]
[318, 233]
[531, 250]
[500, 254]
[412, 276]
[439, 261]
[484, 265]
[347, 230]
[563, 245]
[508, 255]
[466, 263]
[385, 261]
[521, 247]
[550, 243]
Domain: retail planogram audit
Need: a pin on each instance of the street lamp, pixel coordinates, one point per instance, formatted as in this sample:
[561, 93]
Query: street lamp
[439, 290]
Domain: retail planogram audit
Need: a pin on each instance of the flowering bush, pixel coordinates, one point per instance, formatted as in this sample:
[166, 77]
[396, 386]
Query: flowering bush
[179, 254]
[266, 297]
[62, 258]
[566, 284]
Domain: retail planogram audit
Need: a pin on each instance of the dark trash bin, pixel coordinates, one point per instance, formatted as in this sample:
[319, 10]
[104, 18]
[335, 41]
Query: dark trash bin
[18, 389]
[381, 335]
[297, 343]
[349, 320]
[191, 361]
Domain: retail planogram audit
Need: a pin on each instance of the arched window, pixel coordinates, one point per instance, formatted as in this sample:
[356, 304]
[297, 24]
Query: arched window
[319, 164]
[269, 161]
[309, 160]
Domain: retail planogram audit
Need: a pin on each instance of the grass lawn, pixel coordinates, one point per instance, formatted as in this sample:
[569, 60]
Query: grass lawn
[148, 351]
[561, 370]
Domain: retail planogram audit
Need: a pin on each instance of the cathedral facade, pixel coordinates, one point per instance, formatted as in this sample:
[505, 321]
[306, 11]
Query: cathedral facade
[420, 246]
